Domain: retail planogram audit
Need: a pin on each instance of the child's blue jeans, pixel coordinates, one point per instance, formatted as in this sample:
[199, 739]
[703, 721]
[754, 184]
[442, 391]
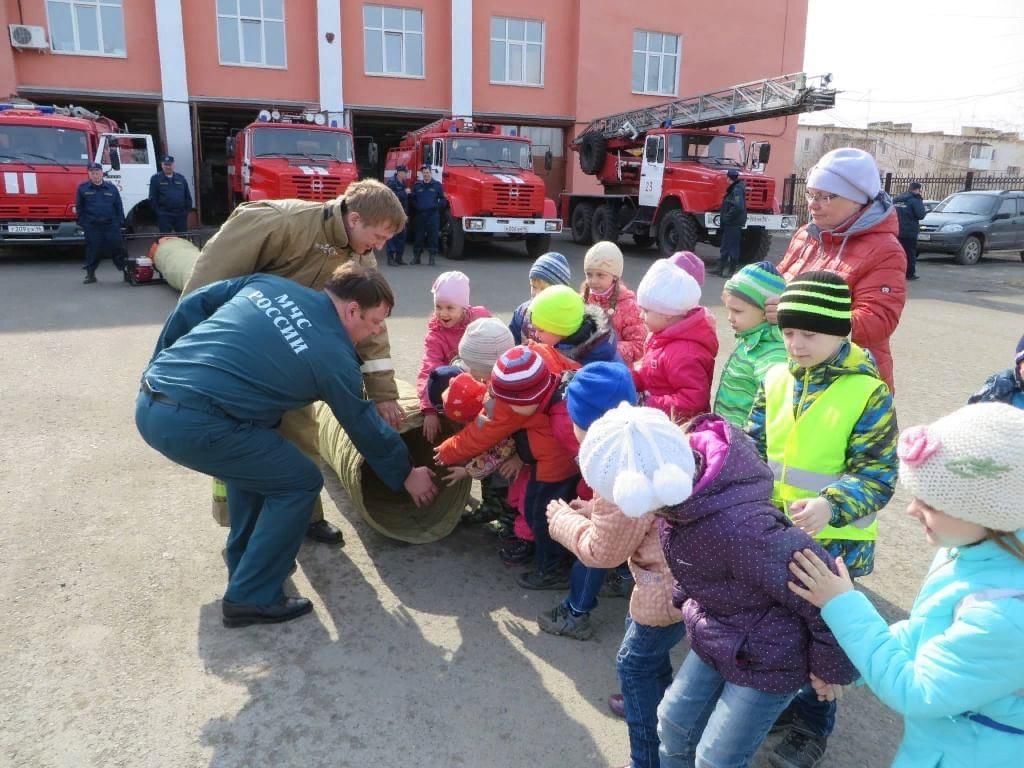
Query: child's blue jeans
[704, 720]
[645, 672]
[584, 584]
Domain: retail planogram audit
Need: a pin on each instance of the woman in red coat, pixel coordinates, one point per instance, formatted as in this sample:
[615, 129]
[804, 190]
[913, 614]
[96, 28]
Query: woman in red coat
[853, 231]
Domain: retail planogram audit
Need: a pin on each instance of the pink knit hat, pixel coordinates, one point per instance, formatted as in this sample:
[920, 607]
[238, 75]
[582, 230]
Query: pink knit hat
[452, 287]
[691, 263]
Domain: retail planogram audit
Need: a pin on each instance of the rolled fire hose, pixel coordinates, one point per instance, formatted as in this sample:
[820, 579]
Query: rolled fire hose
[174, 257]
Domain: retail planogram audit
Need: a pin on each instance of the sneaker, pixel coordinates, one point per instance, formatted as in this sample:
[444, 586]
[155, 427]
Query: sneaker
[784, 723]
[561, 621]
[517, 552]
[800, 749]
[89, 278]
[554, 579]
[616, 585]
[617, 705]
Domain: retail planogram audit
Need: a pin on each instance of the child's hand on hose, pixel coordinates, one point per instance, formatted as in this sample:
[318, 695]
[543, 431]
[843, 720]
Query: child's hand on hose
[826, 691]
[510, 467]
[819, 583]
[811, 515]
[431, 426]
[455, 475]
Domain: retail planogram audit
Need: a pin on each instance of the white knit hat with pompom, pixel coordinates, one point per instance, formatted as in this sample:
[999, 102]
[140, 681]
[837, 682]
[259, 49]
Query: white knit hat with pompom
[638, 459]
[969, 464]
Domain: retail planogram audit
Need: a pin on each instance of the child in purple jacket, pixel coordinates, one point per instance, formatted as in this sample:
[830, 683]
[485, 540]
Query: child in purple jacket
[753, 646]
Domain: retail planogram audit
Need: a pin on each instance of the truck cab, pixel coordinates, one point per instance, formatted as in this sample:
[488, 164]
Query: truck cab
[488, 180]
[290, 156]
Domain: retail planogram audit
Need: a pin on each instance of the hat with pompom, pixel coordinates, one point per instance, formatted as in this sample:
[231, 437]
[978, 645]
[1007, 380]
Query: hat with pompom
[638, 459]
[969, 465]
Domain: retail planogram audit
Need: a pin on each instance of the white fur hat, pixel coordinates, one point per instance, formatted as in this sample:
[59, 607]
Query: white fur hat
[969, 464]
[638, 459]
[668, 289]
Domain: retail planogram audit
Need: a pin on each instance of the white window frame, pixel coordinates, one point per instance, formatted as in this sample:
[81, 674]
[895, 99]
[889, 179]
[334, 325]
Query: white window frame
[238, 18]
[384, 29]
[523, 44]
[99, 28]
[647, 61]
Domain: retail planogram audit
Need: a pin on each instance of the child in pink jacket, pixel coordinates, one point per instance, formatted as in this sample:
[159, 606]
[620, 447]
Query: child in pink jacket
[604, 287]
[452, 313]
[678, 364]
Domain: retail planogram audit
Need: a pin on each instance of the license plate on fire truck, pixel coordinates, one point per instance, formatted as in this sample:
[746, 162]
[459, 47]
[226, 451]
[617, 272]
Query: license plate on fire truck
[514, 229]
[25, 229]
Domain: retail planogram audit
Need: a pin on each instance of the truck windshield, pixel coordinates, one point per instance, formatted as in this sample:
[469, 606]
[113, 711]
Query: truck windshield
[301, 142]
[726, 150]
[493, 152]
[43, 145]
[982, 205]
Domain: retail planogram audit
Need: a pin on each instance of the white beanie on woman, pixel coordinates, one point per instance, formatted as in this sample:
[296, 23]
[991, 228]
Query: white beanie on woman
[847, 172]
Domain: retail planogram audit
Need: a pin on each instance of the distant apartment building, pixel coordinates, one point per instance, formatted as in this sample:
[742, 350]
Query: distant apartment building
[192, 72]
[901, 151]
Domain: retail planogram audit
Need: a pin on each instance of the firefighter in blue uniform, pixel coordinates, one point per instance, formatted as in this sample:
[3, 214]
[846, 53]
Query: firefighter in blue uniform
[396, 245]
[232, 358]
[427, 200]
[170, 198]
[100, 214]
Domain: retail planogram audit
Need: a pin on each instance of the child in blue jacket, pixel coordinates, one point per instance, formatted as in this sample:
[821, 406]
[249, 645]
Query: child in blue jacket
[954, 669]
[1006, 386]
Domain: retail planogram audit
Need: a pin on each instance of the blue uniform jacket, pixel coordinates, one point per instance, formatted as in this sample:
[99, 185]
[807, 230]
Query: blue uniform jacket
[910, 209]
[260, 345]
[959, 652]
[98, 205]
[169, 194]
[427, 197]
[400, 190]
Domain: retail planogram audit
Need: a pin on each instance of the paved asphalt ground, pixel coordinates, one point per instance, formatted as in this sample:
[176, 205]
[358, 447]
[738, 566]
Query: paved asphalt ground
[113, 650]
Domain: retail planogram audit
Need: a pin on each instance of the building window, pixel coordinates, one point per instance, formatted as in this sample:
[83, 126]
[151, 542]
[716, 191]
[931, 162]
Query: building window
[517, 51]
[393, 39]
[807, 144]
[93, 27]
[250, 33]
[655, 63]
[905, 162]
[931, 149]
[1013, 170]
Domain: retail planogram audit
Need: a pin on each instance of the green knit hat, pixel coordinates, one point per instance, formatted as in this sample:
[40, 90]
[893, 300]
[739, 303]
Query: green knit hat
[818, 302]
[557, 309]
[755, 283]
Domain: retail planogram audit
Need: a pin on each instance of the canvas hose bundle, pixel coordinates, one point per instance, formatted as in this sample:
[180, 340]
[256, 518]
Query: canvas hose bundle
[174, 258]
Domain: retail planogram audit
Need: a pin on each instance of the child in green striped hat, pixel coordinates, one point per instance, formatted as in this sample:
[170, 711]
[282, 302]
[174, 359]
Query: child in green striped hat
[758, 343]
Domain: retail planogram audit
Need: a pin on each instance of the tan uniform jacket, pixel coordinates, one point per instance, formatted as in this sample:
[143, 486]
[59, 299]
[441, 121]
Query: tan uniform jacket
[301, 241]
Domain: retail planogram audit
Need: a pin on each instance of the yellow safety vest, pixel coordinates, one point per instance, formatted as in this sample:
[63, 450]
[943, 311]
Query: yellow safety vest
[809, 452]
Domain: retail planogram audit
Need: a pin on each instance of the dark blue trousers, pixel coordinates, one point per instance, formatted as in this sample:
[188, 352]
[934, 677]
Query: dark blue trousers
[428, 227]
[172, 222]
[729, 250]
[396, 245]
[103, 240]
[548, 553]
[271, 488]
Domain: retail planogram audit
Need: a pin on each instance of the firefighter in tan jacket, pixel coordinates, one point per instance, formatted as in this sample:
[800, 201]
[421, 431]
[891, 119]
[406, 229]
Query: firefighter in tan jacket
[306, 242]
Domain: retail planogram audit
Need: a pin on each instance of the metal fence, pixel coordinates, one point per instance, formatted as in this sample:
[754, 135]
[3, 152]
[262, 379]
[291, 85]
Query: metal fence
[932, 187]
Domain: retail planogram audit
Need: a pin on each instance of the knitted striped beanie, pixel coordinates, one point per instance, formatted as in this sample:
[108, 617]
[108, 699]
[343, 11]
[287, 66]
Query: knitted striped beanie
[755, 283]
[818, 302]
[552, 268]
[521, 377]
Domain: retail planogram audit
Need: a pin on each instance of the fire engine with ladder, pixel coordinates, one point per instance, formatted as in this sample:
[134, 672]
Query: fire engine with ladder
[663, 168]
[488, 180]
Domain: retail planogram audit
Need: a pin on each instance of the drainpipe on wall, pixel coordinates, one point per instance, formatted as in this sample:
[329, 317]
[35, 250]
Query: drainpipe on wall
[328, 48]
[462, 58]
[175, 117]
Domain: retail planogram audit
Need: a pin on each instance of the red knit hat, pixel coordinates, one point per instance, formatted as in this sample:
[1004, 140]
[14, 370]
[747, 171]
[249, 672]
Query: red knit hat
[464, 398]
[521, 377]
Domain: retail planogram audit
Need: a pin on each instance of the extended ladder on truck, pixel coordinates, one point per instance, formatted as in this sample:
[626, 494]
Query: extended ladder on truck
[791, 94]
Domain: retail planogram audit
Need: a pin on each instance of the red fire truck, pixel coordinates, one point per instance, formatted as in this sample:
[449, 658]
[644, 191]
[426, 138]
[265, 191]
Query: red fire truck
[663, 168]
[289, 156]
[488, 180]
[43, 156]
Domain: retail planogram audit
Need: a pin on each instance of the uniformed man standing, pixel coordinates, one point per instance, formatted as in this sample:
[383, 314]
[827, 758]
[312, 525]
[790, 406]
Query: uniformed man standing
[170, 198]
[733, 218]
[306, 242]
[100, 214]
[233, 357]
[396, 245]
[427, 200]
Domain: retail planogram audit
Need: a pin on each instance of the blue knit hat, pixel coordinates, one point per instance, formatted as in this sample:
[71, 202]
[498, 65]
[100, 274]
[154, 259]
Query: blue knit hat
[596, 389]
[437, 383]
[552, 268]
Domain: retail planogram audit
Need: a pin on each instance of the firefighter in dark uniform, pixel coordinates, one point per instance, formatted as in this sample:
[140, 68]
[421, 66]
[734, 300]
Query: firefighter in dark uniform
[170, 198]
[396, 245]
[427, 201]
[100, 214]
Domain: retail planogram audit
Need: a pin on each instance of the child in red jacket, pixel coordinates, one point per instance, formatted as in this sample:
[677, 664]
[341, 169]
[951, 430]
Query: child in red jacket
[678, 365]
[452, 313]
[604, 287]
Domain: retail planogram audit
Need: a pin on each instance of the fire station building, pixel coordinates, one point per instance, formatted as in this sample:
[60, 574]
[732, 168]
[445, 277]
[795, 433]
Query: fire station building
[193, 72]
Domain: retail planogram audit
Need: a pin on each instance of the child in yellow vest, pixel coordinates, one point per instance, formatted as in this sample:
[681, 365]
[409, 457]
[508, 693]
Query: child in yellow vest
[825, 424]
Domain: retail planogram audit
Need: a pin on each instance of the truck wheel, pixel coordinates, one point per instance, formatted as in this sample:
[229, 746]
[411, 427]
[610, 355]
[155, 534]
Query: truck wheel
[537, 245]
[643, 241]
[605, 224]
[754, 246]
[593, 150]
[582, 215]
[970, 251]
[454, 237]
[678, 231]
